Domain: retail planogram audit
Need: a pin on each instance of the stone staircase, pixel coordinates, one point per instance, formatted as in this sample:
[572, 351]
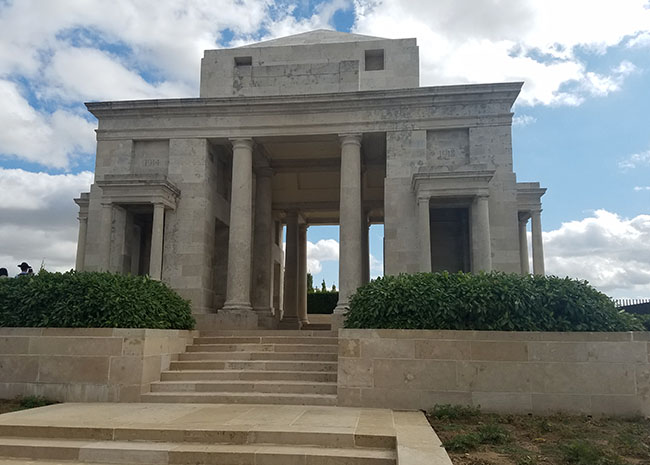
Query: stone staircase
[253, 367]
[178, 434]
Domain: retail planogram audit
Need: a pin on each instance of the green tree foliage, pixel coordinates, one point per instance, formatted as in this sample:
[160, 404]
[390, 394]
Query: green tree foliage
[322, 302]
[486, 301]
[91, 300]
[310, 283]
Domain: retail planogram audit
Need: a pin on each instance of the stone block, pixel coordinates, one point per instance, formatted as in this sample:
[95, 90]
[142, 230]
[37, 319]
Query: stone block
[495, 376]
[558, 351]
[442, 350]
[355, 372]
[414, 374]
[624, 352]
[499, 350]
[587, 378]
[82, 346]
[14, 345]
[18, 368]
[387, 348]
[73, 369]
[125, 370]
[544, 404]
[503, 402]
[349, 347]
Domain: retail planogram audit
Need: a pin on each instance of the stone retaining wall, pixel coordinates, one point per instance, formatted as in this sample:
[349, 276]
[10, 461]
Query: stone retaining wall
[587, 373]
[85, 365]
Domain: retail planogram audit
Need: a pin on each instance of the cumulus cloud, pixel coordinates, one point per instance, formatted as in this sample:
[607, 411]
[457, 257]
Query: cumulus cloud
[641, 188]
[51, 139]
[635, 160]
[39, 218]
[323, 250]
[513, 40]
[611, 252]
[523, 120]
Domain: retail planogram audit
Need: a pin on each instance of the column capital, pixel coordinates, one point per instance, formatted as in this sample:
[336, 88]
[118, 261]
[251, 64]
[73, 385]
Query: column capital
[481, 196]
[242, 142]
[523, 216]
[536, 211]
[424, 199]
[354, 138]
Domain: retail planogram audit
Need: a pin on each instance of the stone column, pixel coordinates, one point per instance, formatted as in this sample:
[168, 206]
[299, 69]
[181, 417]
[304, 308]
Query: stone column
[238, 287]
[302, 274]
[263, 245]
[290, 315]
[350, 269]
[81, 243]
[106, 236]
[481, 245]
[523, 243]
[424, 232]
[157, 232]
[538, 244]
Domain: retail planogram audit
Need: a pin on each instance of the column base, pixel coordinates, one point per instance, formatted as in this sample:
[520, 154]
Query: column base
[289, 322]
[265, 319]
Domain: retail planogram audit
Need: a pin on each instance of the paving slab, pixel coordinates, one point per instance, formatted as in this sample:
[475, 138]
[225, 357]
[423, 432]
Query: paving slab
[253, 426]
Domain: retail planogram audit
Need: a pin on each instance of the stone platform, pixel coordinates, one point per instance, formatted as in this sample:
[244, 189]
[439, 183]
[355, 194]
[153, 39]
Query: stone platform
[217, 433]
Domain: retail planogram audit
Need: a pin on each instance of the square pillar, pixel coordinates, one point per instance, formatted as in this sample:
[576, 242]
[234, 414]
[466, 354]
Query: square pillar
[523, 243]
[263, 248]
[290, 314]
[481, 243]
[424, 233]
[157, 233]
[302, 274]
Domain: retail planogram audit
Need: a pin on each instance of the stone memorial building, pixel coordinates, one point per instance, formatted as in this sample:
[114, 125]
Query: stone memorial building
[320, 128]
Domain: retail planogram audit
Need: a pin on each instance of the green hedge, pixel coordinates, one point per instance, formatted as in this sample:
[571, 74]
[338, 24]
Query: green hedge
[487, 301]
[322, 303]
[91, 300]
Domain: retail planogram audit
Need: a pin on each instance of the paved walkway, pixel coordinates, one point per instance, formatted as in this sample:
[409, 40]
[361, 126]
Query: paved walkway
[362, 433]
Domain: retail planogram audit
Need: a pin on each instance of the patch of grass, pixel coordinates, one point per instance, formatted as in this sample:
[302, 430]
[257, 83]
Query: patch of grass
[453, 412]
[462, 443]
[582, 452]
[493, 434]
[26, 402]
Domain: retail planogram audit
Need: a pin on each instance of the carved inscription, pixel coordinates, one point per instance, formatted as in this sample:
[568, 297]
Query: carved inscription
[151, 162]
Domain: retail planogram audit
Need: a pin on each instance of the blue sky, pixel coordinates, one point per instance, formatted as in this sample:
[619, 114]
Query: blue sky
[581, 123]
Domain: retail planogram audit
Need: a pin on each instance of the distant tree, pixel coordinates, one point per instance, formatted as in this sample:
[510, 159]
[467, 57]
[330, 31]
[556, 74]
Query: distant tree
[310, 283]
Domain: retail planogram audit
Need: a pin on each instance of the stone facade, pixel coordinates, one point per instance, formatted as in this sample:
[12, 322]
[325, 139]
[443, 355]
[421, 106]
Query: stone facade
[86, 365]
[318, 128]
[506, 372]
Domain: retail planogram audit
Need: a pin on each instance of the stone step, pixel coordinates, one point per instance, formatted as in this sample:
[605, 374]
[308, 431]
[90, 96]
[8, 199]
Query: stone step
[240, 398]
[141, 452]
[286, 387]
[295, 356]
[266, 340]
[279, 365]
[269, 332]
[252, 375]
[319, 348]
[318, 326]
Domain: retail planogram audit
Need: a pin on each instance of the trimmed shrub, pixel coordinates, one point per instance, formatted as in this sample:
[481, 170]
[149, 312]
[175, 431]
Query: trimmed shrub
[487, 301]
[322, 303]
[91, 300]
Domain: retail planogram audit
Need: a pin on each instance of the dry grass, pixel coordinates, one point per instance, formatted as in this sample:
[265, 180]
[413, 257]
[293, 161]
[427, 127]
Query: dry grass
[474, 438]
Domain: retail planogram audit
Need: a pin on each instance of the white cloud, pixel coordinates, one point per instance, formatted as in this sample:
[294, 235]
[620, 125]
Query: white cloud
[523, 120]
[635, 160]
[641, 188]
[323, 250]
[49, 139]
[512, 40]
[39, 218]
[610, 252]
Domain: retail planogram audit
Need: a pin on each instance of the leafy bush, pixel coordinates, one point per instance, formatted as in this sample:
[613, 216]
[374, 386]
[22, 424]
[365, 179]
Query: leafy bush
[453, 412]
[487, 301]
[91, 300]
[26, 402]
[493, 434]
[462, 443]
[322, 303]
